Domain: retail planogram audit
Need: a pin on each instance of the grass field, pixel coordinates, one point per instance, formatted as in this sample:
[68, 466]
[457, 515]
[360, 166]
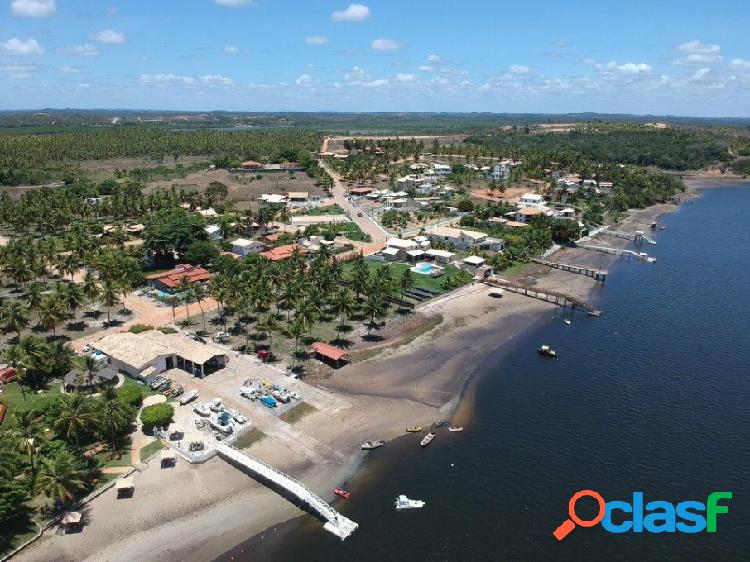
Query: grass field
[150, 449]
[420, 281]
[14, 399]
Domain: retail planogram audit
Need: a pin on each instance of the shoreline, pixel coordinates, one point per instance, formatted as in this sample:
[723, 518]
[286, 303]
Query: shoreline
[434, 376]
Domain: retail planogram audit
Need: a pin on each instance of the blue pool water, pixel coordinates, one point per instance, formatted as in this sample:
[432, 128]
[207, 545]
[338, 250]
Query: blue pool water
[424, 268]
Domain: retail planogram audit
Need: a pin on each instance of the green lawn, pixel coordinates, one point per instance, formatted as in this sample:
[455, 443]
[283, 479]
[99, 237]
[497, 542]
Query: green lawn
[105, 460]
[420, 281]
[330, 210]
[14, 399]
[145, 389]
[352, 232]
[150, 449]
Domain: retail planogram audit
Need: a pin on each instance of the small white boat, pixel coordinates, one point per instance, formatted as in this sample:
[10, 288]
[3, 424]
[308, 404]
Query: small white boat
[546, 350]
[189, 397]
[567, 321]
[371, 445]
[402, 502]
[427, 439]
[456, 428]
[202, 409]
[239, 417]
[216, 405]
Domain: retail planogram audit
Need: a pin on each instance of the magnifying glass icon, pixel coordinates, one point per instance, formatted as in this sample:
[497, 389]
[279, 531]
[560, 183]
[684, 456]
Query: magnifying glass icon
[569, 524]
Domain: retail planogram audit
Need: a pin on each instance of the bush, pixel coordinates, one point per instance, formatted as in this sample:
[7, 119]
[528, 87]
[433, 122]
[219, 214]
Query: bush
[167, 330]
[139, 328]
[131, 395]
[157, 415]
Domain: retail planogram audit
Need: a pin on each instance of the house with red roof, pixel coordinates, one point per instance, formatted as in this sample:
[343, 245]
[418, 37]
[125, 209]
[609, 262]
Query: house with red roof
[168, 281]
[281, 252]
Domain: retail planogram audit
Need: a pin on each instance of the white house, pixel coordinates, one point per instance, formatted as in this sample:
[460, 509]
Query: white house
[213, 231]
[441, 169]
[530, 199]
[440, 256]
[243, 247]
[273, 199]
[396, 249]
[465, 239]
[499, 172]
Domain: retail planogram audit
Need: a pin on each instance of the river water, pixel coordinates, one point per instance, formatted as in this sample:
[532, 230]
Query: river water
[652, 396]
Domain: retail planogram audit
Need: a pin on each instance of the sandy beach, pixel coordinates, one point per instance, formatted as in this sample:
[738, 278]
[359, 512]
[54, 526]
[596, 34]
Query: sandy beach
[198, 512]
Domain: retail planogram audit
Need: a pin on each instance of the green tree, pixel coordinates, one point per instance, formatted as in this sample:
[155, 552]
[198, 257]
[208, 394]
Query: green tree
[374, 309]
[342, 305]
[406, 282]
[157, 415]
[173, 230]
[28, 434]
[14, 317]
[61, 477]
[75, 417]
[117, 413]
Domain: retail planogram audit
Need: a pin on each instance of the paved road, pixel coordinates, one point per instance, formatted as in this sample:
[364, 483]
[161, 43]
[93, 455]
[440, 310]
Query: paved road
[365, 223]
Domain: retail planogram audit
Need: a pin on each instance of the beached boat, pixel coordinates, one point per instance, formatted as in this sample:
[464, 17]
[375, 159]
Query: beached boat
[427, 439]
[402, 502]
[216, 405]
[372, 445]
[202, 409]
[189, 397]
[415, 429]
[455, 428]
[239, 417]
[546, 350]
[342, 493]
[440, 423]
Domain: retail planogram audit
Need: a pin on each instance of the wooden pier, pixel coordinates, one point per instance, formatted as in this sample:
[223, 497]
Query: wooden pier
[638, 237]
[599, 275]
[643, 256]
[550, 295]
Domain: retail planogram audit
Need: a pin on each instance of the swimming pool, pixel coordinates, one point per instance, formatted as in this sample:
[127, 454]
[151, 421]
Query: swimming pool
[425, 268]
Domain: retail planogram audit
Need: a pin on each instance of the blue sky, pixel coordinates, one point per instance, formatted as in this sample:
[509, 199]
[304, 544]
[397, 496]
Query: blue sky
[683, 57]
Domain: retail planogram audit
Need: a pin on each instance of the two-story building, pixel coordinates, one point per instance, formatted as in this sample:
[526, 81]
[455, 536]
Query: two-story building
[242, 247]
[462, 239]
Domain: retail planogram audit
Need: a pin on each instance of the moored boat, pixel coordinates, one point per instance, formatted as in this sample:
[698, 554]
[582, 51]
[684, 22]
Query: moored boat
[402, 502]
[546, 350]
[427, 439]
[342, 493]
[414, 429]
[186, 398]
[455, 428]
[202, 409]
[440, 423]
[368, 446]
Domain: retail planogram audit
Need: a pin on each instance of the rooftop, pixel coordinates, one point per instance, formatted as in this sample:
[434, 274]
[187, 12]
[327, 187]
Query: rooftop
[450, 232]
[330, 351]
[173, 277]
[281, 252]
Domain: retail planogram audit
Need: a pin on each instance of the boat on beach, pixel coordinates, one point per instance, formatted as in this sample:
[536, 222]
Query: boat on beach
[370, 445]
[440, 423]
[414, 429]
[427, 439]
[402, 502]
[189, 397]
[202, 409]
[342, 493]
[456, 428]
[546, 350]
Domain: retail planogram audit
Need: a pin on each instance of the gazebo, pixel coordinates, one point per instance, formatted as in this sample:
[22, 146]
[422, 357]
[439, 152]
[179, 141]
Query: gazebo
[71, 521]
[78, 381]
[330, 353]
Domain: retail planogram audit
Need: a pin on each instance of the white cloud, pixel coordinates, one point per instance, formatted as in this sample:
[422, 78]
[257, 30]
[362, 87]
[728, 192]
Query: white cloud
[634, 68]
[519, 69]
[69, 69]
[426, 68]
[740, 64]
[108, 36]
[303, 79]
[376, 83]
[231, 49]
[386, 45]
[434, 58]
[161, 80]
[695, 52]
[316, 40]
[235, 3]
[484, 88]
[87, 50]
[406, 77]
[216, 80]
[357, 73]
[17, 71]
[19, 47]
[33, 8]
[355, 12]
[699, 74]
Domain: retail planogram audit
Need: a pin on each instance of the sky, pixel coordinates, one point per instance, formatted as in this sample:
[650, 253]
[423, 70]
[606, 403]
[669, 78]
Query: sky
[661, 57]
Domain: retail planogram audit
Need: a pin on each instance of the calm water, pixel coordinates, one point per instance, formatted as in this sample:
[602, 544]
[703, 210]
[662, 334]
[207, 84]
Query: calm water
[652, 396]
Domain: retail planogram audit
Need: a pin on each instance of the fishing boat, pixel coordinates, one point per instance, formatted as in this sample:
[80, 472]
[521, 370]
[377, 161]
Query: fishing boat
[427, 439]
[546, 350]
[440, 423]
[342, 493]
[372, 445]
[415, 429]
[567, 321]
[455, 428]
[189, 397]
[202, 409]
[402, 502]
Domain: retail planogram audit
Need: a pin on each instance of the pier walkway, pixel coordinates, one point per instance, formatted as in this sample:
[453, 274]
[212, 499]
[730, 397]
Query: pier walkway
[643, 256]
[335, 522]
[550, 295]
[638, 236]
[596, 274]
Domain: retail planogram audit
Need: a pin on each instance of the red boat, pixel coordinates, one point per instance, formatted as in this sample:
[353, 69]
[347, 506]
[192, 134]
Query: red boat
[342, 493]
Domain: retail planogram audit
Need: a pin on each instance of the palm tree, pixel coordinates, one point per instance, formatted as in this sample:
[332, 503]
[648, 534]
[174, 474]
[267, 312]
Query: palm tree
[71, 295]
[374, 308]
[14, 317]
[269, 326]
[34, 294]
[90, 287]
[109, 295]
[28, 433]
[89, 366]
[198, 293]
[61, 477]
[172, 300]
[342, 305]
[76, 417]
[116, 412]
[296, 330]
[307, 314]
[50, 314]
[184, 288]
[406, 282]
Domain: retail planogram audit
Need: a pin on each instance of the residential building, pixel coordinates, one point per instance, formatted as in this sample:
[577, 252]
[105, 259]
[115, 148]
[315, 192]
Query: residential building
[396, 249]
[242, 247]
[273, 199]
[528, 214]
[250, 165]
[213, 231]
[499, 172]
[297, 197]
[530, 200]
[440, 256]
[465, 239]
[441, 169]
[169, 280]
[281, 253]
